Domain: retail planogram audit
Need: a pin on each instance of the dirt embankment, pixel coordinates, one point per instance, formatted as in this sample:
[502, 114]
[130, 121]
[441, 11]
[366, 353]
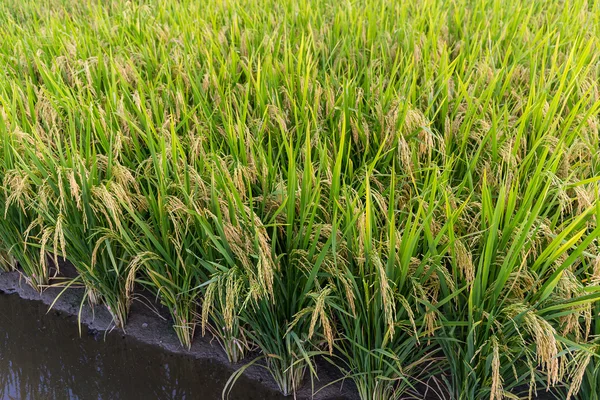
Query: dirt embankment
[150, 323]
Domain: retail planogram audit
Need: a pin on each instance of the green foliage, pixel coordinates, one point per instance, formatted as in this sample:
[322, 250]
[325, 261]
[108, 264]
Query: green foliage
[407, 189]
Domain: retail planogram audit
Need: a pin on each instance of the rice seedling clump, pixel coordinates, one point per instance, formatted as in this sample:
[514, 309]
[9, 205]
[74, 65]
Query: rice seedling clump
[408, 190]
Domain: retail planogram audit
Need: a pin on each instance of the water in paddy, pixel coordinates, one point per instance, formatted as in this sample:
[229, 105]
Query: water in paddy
[43, 357]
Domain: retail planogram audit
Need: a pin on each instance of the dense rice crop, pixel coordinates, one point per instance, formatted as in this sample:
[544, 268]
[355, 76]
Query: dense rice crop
[409, 189]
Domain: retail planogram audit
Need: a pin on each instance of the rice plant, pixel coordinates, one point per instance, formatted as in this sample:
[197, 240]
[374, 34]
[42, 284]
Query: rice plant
[409, 190]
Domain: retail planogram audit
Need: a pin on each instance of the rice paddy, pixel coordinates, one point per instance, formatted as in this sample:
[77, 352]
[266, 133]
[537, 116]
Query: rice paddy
[408, 190]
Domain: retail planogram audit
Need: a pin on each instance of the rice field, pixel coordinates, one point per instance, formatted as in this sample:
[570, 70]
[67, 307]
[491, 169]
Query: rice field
[407, 190]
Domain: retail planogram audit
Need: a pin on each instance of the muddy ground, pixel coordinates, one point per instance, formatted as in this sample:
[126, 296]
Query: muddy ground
[147, 326]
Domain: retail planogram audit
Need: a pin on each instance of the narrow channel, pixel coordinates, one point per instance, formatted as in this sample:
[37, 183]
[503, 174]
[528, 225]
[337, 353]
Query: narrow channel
[42, 356]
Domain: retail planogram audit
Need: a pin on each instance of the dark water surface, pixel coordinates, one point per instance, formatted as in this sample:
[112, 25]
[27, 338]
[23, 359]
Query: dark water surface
[43, 357]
